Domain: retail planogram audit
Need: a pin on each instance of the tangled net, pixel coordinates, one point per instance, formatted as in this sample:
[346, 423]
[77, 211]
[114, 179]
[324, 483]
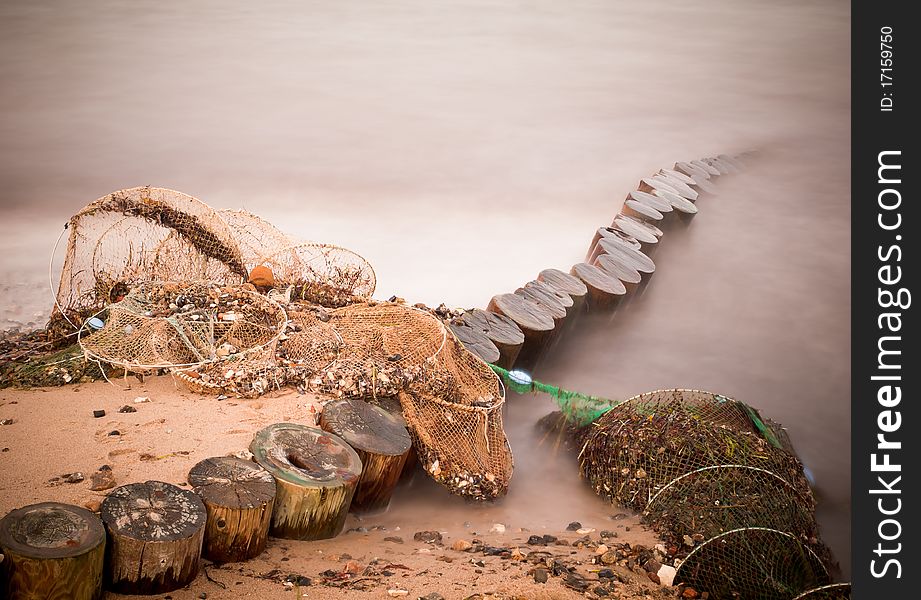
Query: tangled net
[752, 562]
[322, 274]
[256, 237]
[161, 325]
[141, 235]
[832, 591]
[641, 445]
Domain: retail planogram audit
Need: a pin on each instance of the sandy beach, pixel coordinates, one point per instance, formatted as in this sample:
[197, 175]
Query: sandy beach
[54, 433]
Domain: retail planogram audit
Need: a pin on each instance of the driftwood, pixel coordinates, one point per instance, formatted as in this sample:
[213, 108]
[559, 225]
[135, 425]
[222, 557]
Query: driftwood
[53, 551]
[534, 321]
[501, 331]
[315, 473]
[382, 443]
[604, 290]
[156, 532]
[614, 265]
[474, 340]
[634, 258]
[239, 496]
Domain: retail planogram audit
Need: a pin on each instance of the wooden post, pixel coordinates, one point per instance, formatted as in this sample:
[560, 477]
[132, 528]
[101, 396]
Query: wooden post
[604, 290]
[691, 171]
[534, 321]
[614, 265]
[640, 211]
[638, 228]
[548, 290]
[382, 443]
[678, 175]
[156, 532]
[392, 405]
[634, 258]
[683, 207]
[548, 302]
[666, 183]
[51, 550]
[474, 340]
[239, 496]
[315, 475]
[651, 199]
[614, 233]
[567, 284]
[501, 331]
[707, 167]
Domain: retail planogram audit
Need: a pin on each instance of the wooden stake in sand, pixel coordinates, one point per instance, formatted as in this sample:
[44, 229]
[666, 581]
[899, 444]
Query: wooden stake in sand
[239, 496]
[604, 290]
[51, 550]
[501, 331]
[382, 444]
[156, 532]
[315, 474]
[534, 321]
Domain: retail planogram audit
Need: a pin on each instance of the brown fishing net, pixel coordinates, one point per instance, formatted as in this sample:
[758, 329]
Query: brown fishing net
[256, 237]
[641, 445]
[162, 325]
[141, 235]
[323, 274]
[713, 500]
[832, 591]
[752, 562]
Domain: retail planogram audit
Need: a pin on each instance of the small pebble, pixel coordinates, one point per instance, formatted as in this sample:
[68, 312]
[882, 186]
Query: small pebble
[574, 526]
[541, 575]
[99, 413]
[127, 409]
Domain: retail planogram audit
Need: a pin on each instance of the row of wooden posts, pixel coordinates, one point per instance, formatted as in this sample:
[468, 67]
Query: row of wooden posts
[149, 537]
[517, 328]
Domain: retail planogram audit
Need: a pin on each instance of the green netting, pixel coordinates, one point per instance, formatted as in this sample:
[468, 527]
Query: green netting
[577, 408]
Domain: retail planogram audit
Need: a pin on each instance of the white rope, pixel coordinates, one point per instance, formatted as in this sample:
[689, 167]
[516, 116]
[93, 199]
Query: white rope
[54, 294]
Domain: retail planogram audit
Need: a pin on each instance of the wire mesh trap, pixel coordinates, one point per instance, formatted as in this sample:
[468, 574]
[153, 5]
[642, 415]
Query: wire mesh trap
[638, 447]
[323, 274]
[752, 562]
[832, 591]
[160, 325]
[255, 237]
[141, 235]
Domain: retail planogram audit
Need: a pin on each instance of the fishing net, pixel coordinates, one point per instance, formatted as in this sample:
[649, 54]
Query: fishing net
[713, 500]
[141, 235]
[161, 325]
[638, 447]
[576, 408]
[832, 591]
[256, 237]
[752, 562]
[322, 274]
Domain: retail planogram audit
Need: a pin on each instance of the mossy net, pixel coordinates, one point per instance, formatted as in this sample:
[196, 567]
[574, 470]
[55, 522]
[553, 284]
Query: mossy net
[752, 562]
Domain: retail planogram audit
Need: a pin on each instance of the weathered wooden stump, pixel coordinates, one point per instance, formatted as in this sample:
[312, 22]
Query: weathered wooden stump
[548, 290]
[640, 211]
[676, 175]
[614, 233]
[501, 331]
[604, 290]
[315, 475]
[382, 443]
[474, 340]
[567, 284]
[676, 187]
[634, 258]
[691, 171]
[239, 496]
[652, 200]
[706, 168]
[51, 550]
[683, 207]
[392, 405]
[548, 301]
[156, 532]
[614, 265]
[534, 321]
[639, 231]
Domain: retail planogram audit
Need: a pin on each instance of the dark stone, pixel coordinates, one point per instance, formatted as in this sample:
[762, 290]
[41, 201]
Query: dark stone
[127, 409]
[99, 413]
[541, 575]
[299, 580]
[395, 539]
[432, 596]
[115, 432]
[429, 537]
[574, 526]
[606, 574]
[536, 540]
[549, 539]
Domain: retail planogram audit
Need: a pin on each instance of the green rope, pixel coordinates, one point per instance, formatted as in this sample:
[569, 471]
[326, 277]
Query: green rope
[580, 409]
